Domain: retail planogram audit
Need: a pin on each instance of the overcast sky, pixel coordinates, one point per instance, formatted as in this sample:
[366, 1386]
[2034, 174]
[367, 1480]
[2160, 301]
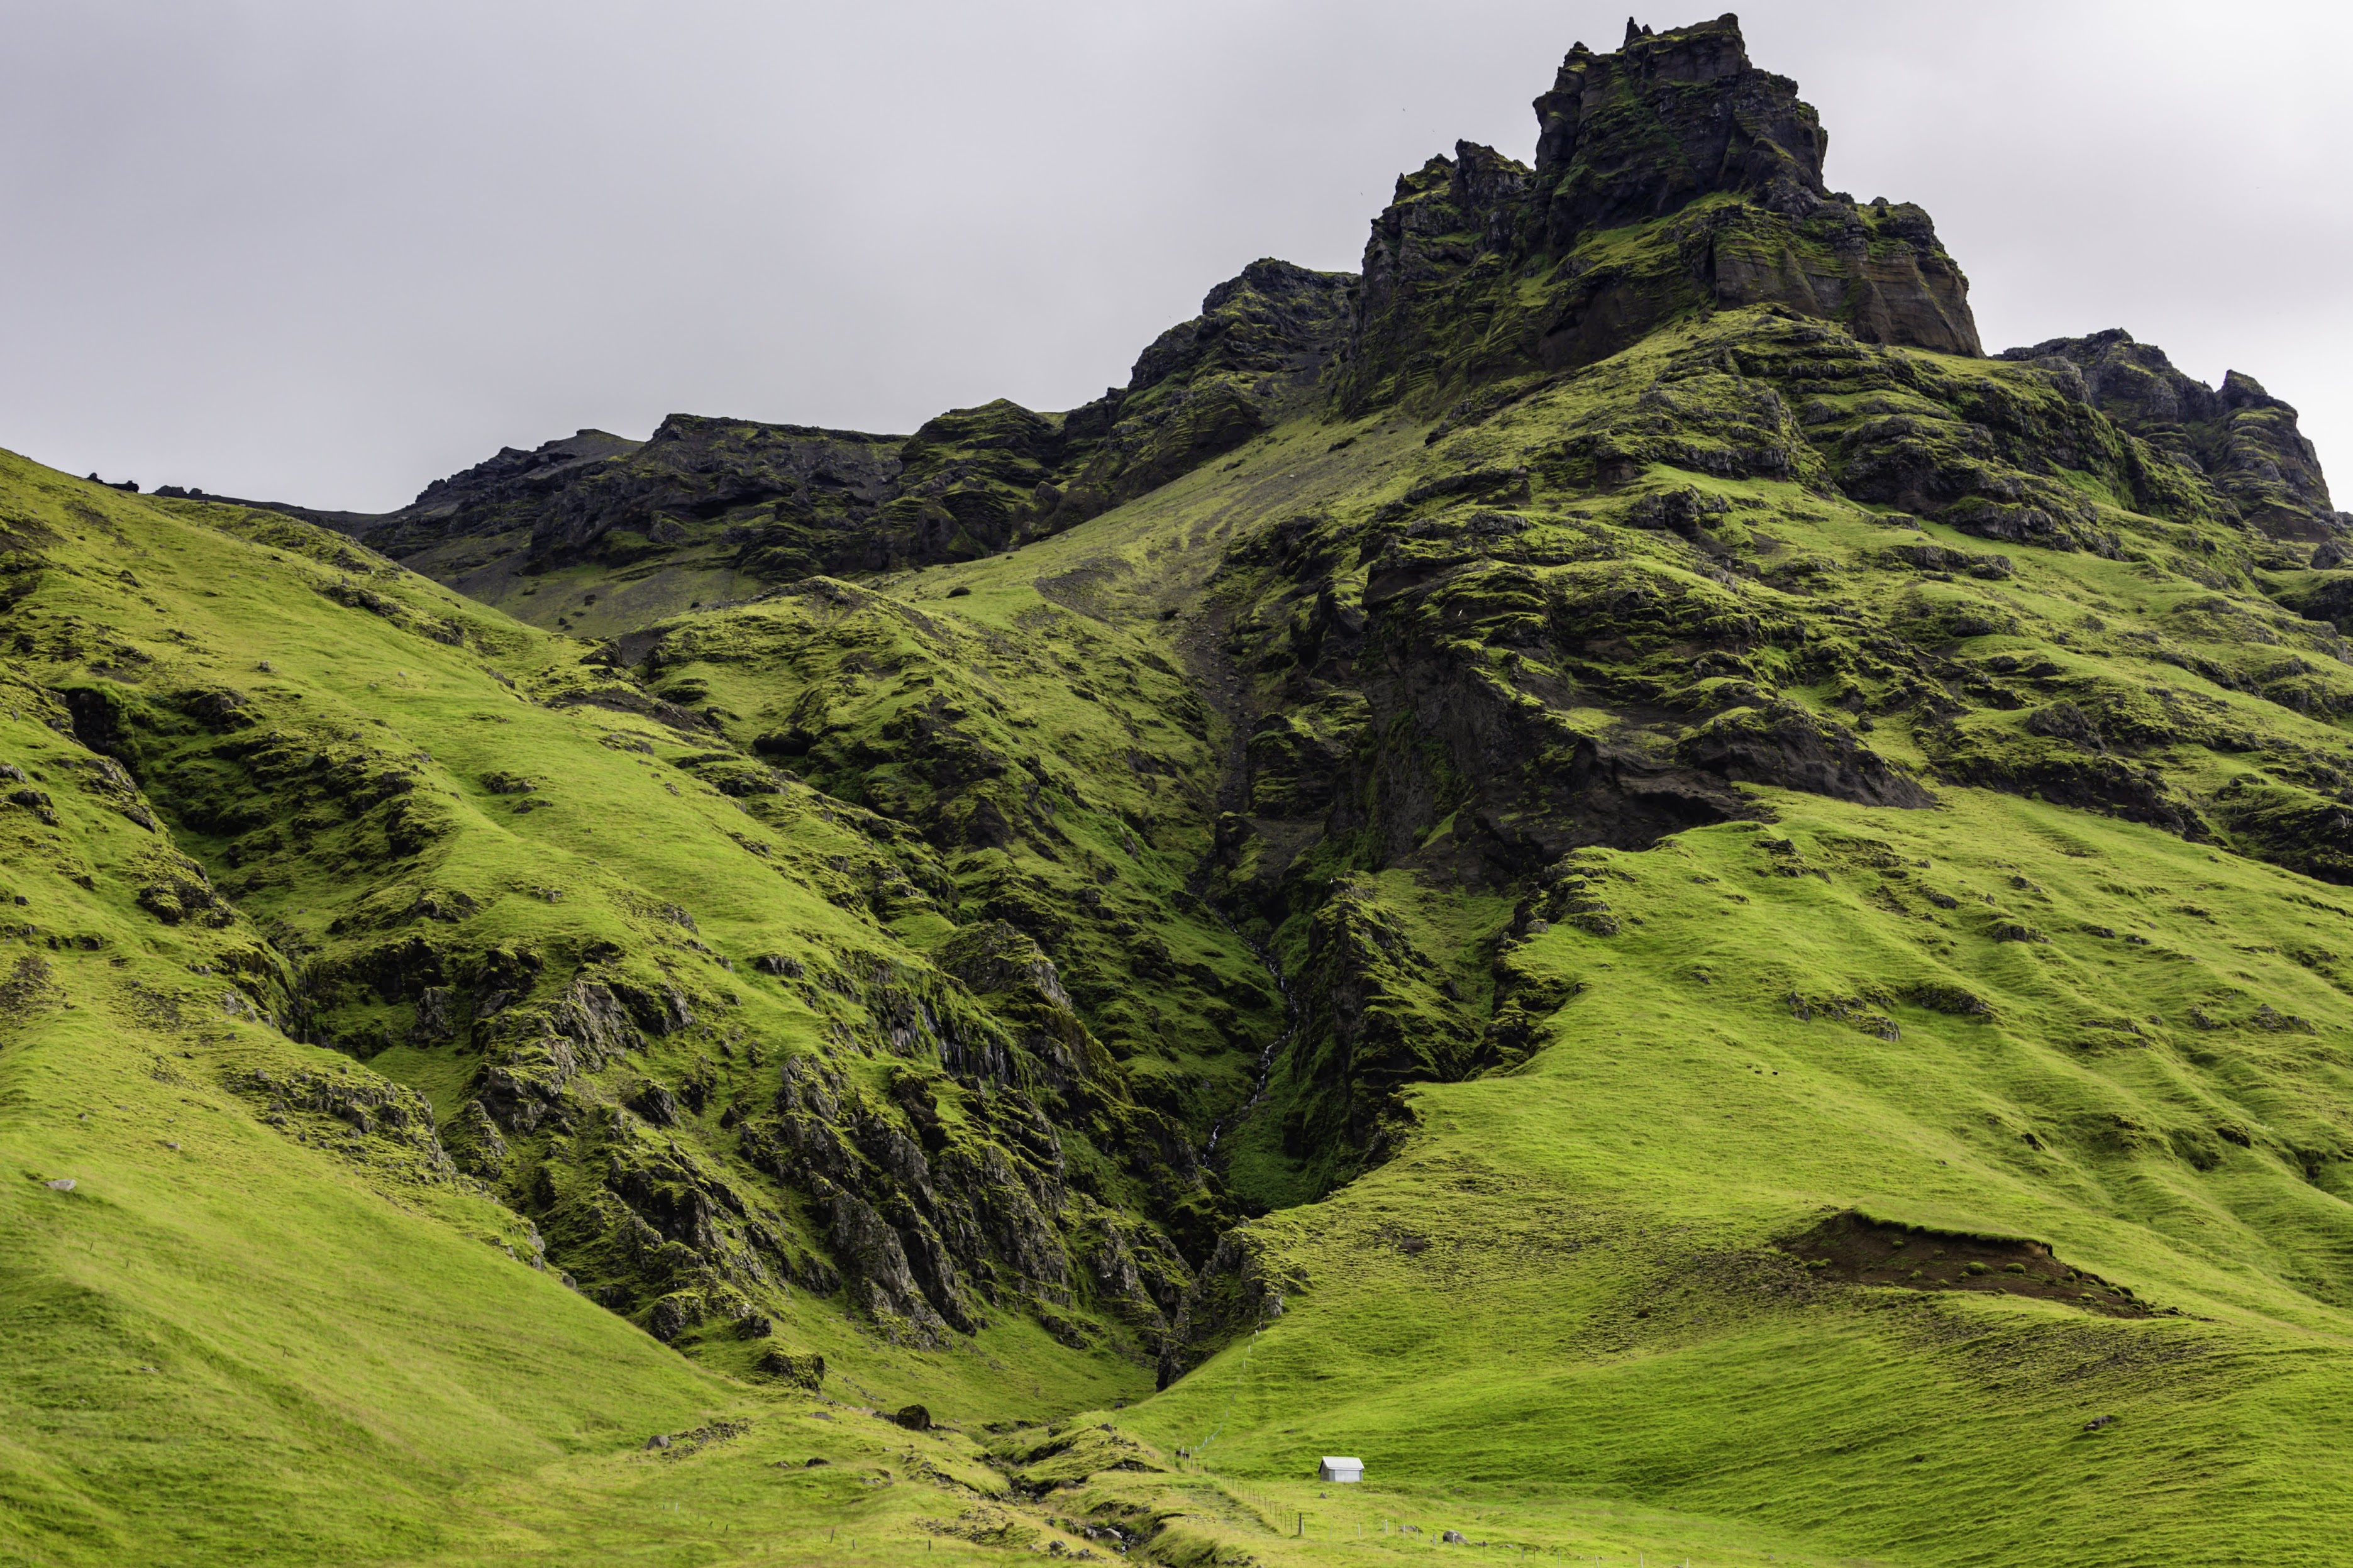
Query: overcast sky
[320, 251]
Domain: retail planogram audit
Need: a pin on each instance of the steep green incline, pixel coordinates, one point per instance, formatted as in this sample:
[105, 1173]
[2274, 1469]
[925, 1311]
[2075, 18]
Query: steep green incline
[1602, 1270]
[228, 1338]
[720, 1053]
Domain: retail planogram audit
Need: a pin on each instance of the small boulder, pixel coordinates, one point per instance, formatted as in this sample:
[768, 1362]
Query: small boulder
[62, 1184]
[1454, 1538]
[657, 1441]
[914, 1418]
[433, 1021]
[2096, 1422]
[655, 1103]
[803, 1371]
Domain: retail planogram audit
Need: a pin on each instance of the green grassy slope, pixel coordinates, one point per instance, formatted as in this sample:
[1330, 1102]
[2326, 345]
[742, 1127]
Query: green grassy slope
[369, 809]
[1570, 1280]
[314, 1329]
[224, 1341]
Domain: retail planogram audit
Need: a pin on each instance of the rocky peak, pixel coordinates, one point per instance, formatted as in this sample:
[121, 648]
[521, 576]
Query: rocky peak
[1666, 120]
[1489, 189]
[1670, 177]
[496, 474]
[1273, 316]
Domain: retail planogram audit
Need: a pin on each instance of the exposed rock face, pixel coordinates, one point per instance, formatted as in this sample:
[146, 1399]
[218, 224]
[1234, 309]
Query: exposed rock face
[1238, 1290]
[467, 501]
[2240, 436]
[1665, 120]
[976, 480]
[1204, 388]
[1275, 316]
[779, 502]
[971, 480]
[782, 497]
[1673, 126]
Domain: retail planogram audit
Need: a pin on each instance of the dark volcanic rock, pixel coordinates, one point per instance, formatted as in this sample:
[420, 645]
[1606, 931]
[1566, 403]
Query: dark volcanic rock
[1665, 120]
[973, 479]
[1783, 744]
[2240, 436]
[1207, 385]
[784, 496]
[1484, 266]
[780, 502]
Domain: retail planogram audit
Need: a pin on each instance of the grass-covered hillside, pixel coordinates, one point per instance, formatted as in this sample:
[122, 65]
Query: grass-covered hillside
[1601, 867]
[374, 949]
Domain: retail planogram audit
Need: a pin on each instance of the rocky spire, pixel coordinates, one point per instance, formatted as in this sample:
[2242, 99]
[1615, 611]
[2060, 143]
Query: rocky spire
[1481, 267]
[1612, 147]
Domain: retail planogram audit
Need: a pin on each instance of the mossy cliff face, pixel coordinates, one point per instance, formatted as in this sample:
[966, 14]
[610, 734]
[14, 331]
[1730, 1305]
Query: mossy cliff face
[758, 501]
[1426, 879]
[1669, 119]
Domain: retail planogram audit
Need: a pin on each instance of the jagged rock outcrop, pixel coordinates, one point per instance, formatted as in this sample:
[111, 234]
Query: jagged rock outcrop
[783, 499]
[780, 502]
[1237, 1292]
[1207, 385]
[2240, 436]
[1665, 120]
[1670, 175]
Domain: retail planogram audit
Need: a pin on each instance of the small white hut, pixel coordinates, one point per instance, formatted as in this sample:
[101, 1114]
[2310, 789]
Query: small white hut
[1332, 1470]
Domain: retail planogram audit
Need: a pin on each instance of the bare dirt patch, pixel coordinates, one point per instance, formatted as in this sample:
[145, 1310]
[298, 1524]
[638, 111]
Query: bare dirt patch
[1857, 1250]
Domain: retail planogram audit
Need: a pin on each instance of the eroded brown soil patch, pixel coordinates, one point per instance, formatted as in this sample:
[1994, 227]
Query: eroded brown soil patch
[1863, 1251]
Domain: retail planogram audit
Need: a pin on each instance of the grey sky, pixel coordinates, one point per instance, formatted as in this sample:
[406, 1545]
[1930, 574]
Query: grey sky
[326, 252]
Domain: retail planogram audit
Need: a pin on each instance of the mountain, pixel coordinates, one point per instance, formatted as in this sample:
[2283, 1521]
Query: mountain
[606, 532]
[1599, 865]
